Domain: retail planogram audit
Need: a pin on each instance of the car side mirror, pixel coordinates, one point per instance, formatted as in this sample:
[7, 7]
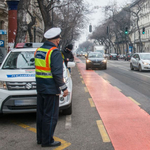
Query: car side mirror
[32, 59]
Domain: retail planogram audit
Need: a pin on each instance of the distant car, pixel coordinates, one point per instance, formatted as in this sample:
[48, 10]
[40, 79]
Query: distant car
[84, 53]
[127, 56]
[96, 60]
[78, 54]
[113, 56]
[140, 61]
[122, 56]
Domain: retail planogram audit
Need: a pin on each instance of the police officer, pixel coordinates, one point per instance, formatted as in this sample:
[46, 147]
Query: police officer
[49, 80]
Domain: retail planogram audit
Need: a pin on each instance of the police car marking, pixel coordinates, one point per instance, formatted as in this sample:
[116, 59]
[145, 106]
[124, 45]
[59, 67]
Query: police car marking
[20, 75]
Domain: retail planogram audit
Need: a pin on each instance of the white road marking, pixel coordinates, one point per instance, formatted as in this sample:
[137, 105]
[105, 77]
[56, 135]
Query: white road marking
[68, 122]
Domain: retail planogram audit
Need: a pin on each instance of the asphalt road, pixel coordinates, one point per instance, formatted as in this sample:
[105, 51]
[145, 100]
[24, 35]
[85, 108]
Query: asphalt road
[133, 84]
[78, 131]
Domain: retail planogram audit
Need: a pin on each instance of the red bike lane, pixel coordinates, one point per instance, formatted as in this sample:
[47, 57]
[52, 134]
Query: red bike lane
[127, 125]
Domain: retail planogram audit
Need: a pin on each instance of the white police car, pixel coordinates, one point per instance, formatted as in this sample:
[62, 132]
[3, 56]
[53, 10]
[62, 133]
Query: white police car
[18, 86]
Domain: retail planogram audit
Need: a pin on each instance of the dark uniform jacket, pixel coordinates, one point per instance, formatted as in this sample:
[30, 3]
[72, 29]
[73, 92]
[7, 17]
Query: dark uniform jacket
[67, 54]
[55, 84]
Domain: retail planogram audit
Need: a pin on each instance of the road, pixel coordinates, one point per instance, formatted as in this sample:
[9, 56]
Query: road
[79, 131]
[133, 84]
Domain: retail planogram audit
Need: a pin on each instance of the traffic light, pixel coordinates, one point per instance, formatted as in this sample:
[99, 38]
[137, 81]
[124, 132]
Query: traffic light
[126, 30]
[143, 32]
[90, 28]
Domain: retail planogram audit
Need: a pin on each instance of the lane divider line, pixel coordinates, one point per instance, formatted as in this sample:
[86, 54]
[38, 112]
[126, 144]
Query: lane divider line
[117, 88]
[81, 77]
[86, 90]
[64, 144]
[68, 123]
[83, 82]
[134, 101]
[91, 102]
[103, 131]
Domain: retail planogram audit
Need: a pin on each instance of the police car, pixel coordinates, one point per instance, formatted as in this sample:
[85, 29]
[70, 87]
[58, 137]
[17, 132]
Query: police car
[18, 86]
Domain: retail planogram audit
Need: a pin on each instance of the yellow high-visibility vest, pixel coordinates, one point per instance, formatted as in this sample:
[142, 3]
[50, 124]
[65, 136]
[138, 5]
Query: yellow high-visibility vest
[42, 63]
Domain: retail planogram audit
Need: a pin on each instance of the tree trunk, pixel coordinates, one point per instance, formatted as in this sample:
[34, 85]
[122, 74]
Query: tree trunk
[22, 26]
[45, 15]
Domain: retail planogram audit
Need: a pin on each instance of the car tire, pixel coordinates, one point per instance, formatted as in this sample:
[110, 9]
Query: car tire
[105, 67]
[140, 68]
[67, 111]
[87, 67]
[131, 66]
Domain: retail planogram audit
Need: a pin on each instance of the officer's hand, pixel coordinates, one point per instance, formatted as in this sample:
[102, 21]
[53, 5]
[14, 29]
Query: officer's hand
[67, 59]
[65, 93]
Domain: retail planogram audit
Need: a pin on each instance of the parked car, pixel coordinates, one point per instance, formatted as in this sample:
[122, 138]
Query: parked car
[96, 60]
[140, 61]
[127, 56]
[121, 56]
[113, 56]
[18, 86]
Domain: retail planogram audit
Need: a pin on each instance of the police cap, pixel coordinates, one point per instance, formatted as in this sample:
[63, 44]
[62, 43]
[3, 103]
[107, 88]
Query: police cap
[52, 33]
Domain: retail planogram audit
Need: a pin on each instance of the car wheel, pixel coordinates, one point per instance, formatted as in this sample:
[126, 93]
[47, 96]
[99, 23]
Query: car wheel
[140, 68]
[87, 67]
[68, 111]
[131, 66]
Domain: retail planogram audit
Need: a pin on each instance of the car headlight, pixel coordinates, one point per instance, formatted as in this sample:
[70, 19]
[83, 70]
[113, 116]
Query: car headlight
[88, 61]
[145, 63]
[104, 61]
[3, 85]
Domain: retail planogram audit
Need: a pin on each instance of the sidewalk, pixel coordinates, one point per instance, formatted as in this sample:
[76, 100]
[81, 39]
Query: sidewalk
[126, 123]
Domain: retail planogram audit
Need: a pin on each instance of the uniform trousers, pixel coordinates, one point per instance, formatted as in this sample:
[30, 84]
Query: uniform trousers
[47, 117]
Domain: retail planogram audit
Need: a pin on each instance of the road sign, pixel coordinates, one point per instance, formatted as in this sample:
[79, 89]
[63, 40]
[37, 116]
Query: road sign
[1, 43]
[3, 32]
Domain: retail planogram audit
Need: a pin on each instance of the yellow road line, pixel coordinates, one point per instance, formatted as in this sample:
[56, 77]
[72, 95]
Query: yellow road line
[117, 88]
[85, 88]
[91, 102]
[81, 77]
[83, 82]
[103, 132]
[64, 143]
[134, 101]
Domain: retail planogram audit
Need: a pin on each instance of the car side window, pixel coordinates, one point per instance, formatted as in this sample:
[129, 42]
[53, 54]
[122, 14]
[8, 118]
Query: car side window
[134, 56]
[137, 56]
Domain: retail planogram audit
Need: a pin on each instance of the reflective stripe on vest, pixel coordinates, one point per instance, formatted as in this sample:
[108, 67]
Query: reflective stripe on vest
[42, 65]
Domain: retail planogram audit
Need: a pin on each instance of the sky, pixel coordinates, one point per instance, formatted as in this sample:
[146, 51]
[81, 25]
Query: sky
[98, 16]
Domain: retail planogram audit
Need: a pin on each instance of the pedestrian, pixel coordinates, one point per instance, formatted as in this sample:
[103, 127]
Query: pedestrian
[49, 81]
[68, 56]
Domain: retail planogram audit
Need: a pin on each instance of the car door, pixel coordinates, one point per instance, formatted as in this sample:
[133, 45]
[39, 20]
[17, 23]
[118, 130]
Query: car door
[137, 60]
[133, 60]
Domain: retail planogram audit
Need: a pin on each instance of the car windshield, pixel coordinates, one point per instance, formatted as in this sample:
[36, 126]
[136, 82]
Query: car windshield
[95, 55]
[20, 60]
[114, 54]
[145, 56]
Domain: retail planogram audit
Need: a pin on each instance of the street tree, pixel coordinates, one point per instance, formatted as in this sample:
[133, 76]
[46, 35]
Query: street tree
[22, 26]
